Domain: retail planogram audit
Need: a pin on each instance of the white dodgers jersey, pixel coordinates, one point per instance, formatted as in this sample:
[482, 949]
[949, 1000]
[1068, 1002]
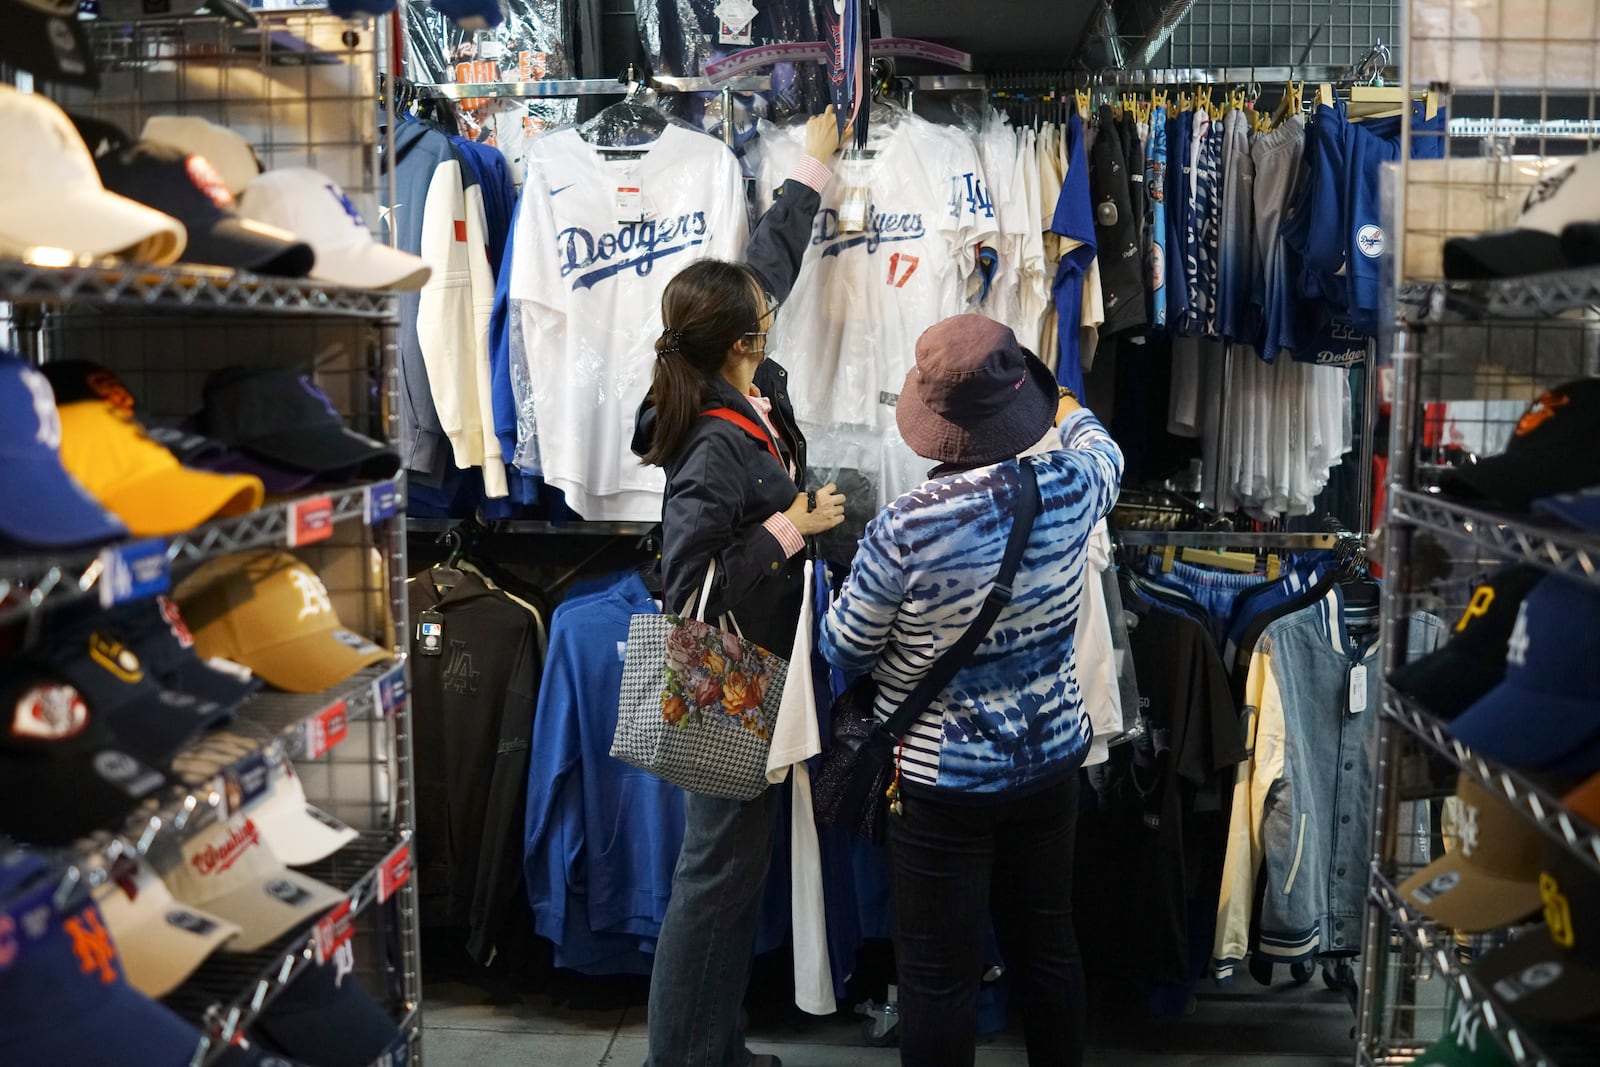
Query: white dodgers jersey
[586, 281]
[848, 332]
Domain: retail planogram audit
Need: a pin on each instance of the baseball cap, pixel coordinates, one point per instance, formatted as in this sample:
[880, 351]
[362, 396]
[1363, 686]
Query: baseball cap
[1555, 448]
[1451, 678]
[1544, 716]
[325, 1017]
[1580, 509]
[315, 209]
[278, 414]
[1491, 877]
[188, 187]
[470, 14]
[51, 195]
[271, 613]
[63, 770]
[161, 940]
[1466, 1042]
[232, 156]
[1568, 195]
[64, 997]
[153, 721]
[1551, 974]
[79, 379]
[297, 832]
[43, 37]
[154, 629]
[41, 505]
[142, 483]
[232, 873]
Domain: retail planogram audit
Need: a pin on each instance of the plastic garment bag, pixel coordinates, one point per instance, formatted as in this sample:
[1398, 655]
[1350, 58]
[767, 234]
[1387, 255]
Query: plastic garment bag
[681, 36]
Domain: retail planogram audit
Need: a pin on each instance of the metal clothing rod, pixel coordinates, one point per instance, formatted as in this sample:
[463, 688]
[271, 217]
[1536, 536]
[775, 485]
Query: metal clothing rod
[585, 87]
[1226, 539]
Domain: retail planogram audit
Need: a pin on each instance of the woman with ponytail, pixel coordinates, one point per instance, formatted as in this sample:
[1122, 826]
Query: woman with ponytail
[718, 420]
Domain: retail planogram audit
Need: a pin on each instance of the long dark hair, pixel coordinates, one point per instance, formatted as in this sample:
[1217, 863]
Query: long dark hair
[706, 309]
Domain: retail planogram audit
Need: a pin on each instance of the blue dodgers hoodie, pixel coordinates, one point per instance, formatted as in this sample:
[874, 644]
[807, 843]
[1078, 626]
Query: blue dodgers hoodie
[1074, 220]
[613, 829]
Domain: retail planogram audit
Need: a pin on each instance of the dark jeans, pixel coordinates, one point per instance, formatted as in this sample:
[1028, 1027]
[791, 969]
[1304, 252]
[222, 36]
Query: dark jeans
[708, 938]
[955, 864]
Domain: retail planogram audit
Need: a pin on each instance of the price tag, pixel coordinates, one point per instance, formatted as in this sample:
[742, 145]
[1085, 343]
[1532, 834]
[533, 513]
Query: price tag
[736, 18]
[382, 503]
[326, 729]
[395, 872]
[853, 212]
[333, 931]
[310, 520]
[630, 201]
[132, 571]
[388, 692]
[1358, 689]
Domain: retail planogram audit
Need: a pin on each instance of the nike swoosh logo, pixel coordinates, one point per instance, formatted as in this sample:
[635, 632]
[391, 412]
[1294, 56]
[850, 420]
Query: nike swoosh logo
[565, 187]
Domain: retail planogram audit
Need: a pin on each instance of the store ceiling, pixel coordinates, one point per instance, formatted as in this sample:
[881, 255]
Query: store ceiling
[1030, 34]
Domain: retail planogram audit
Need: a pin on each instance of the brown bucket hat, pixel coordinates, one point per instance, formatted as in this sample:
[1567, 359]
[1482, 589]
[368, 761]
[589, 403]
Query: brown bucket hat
[975, 396]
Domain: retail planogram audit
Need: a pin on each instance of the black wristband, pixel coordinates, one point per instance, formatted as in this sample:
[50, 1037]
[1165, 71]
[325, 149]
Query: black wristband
[811, 500]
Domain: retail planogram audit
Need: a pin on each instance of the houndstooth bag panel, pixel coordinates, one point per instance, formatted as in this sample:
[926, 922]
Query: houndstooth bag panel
[709, 752]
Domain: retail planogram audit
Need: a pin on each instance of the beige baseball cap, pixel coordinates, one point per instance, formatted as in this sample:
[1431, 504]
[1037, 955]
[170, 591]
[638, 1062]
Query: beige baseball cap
[161, 940]
[1490, 877]
[232, 873]
[271, 613]
[229, 154]
[51, 196]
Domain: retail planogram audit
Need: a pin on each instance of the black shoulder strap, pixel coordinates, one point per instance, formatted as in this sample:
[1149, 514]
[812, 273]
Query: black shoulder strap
[956, 657]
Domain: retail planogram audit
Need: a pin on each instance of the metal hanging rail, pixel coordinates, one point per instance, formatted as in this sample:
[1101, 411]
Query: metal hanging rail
[1227, 539]
[570, 87]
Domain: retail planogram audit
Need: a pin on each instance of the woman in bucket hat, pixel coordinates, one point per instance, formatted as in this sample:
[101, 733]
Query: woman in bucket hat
[988, 773]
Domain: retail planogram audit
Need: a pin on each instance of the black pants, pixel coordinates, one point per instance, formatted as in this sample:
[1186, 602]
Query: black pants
[953, 866]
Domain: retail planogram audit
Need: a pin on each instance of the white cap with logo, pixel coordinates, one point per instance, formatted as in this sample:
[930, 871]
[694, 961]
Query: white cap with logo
[230, 871]
[297, 832]
[52, 200]
[230, 154]
[313, 207]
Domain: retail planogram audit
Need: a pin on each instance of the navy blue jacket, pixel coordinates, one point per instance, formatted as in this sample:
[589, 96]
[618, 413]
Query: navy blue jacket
[723, 483]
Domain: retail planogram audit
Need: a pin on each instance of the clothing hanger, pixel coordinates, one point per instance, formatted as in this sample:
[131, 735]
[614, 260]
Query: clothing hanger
[629, 125]
[446, 576]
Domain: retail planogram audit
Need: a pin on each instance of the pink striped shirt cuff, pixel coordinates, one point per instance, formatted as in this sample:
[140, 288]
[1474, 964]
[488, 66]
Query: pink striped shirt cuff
[812, 172]
[788, 537]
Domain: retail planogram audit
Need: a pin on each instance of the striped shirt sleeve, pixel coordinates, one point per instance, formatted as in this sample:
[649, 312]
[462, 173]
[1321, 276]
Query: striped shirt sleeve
[858, 626]
[787, 536]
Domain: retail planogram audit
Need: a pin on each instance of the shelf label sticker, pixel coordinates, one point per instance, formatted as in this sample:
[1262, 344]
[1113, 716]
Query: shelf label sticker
[133, 570]
[310, 520]
[244, 783]
[383, 502]
[326, 729]
[388, 692]
[395, 872]
[334, 930]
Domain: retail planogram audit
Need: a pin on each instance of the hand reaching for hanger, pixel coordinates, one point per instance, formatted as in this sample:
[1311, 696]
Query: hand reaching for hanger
[823, 138]
[829, 511]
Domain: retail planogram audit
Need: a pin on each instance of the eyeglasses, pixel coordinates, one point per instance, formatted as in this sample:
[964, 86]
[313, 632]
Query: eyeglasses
[773, 303]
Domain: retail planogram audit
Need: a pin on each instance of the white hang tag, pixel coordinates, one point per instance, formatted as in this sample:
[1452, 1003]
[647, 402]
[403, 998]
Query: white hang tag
[630, 200]
[736, 18]
[857, 200]
[1358, 689]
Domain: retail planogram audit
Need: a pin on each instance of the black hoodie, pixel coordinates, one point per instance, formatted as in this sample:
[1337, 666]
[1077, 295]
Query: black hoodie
[723, 483]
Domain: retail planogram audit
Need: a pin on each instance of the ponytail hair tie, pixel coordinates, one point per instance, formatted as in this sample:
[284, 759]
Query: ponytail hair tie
[674, 341]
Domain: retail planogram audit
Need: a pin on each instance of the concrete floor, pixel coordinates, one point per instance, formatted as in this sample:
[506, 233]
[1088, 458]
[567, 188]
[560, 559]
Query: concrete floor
[1248, 1026]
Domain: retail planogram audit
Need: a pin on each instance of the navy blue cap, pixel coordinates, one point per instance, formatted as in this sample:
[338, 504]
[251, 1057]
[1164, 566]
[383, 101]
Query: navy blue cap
[63, 995]
[1580, 509]
[41, 506]
[326, 1018]
[1545, 715]
[156, 632]
[152, 721]
[470, 14]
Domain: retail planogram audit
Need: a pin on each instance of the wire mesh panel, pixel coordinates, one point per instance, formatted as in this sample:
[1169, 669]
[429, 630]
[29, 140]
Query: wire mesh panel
[1244, 33]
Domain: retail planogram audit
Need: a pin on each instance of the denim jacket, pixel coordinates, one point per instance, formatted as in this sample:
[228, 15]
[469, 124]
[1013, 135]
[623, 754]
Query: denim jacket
[1302, 800]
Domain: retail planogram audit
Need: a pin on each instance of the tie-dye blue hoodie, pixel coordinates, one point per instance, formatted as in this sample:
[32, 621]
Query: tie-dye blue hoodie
[1013, 716]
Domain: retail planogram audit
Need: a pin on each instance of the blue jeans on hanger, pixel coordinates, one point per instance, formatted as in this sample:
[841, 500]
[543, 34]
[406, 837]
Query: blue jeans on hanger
[708, 938]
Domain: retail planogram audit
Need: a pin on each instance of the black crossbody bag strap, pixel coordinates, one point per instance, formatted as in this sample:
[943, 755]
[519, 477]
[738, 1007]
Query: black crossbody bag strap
[956, 657]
